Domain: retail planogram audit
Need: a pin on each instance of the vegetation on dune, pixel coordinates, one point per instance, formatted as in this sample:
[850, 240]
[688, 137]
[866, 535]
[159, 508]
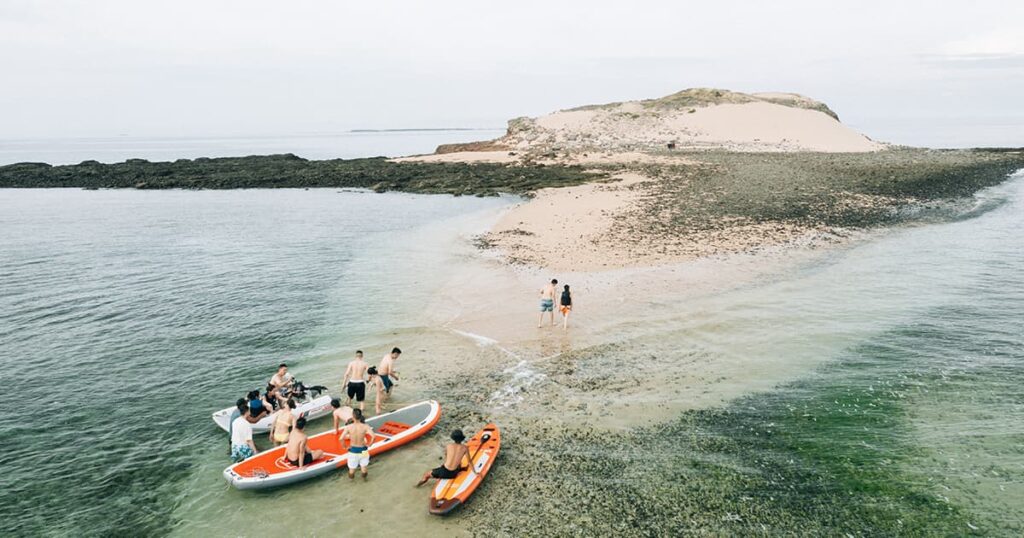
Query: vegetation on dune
[289, 171]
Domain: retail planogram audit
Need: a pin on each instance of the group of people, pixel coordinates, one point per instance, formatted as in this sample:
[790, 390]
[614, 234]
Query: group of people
[349, 423]
[551, 300]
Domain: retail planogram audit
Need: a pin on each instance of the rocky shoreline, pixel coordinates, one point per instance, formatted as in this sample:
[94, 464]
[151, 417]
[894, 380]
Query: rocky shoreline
[290, 171]
[687, 205]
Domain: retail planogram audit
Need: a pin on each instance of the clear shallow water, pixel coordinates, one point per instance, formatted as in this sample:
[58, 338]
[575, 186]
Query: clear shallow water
[122, 305]
[127, 317]
[345, 145]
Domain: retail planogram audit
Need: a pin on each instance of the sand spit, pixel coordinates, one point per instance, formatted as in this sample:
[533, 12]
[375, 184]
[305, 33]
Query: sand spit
[678, 206]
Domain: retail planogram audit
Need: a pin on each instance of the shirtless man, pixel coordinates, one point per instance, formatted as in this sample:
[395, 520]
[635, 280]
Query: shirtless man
[281, 380]
[547, 302]
[353, 382]
[387, 369]
[358, 452]
[453, 454]
[342, 415]
[377, 386]
[297, 453]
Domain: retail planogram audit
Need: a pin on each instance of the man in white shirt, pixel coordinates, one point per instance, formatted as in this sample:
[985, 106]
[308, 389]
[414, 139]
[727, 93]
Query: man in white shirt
[242, 446]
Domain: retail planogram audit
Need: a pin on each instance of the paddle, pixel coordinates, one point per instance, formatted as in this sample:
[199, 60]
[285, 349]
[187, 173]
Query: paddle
[483, 441]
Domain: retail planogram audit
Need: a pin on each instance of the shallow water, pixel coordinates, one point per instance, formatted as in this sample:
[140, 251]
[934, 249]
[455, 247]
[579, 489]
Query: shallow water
[127, 317]
[872, 389]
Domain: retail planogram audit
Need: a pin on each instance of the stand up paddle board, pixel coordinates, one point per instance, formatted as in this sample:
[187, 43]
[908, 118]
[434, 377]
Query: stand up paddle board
[270, 468]
[450, 493]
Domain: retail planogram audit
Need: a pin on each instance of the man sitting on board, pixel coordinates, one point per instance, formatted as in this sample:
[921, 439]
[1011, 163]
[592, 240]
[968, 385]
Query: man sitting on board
[297, 453]
[358, 452]
[453, 454]
[282, 380]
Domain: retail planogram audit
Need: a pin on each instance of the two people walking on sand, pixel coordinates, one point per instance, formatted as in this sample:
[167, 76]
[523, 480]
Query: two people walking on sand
[551, 299]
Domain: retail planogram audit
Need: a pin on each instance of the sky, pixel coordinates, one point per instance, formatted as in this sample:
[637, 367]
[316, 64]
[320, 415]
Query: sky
[912, 72]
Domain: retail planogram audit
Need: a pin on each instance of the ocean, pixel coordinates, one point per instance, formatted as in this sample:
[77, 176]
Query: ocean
[340, 145]
[875, 387]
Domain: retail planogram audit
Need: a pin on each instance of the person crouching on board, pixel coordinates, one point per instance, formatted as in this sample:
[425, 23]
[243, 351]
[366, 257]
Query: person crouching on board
[453, 454]
[342, 415]
[358, 452]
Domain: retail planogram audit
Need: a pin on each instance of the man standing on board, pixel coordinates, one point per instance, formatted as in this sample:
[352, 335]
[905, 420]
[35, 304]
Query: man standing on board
[547, 302]
[354, 382]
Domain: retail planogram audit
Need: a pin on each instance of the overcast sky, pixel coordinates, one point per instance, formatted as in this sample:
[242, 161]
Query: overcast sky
[246, 67]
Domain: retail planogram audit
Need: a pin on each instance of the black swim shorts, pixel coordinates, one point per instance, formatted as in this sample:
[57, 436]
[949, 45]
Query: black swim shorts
[306, 460]
[443, 472]
[357, 390]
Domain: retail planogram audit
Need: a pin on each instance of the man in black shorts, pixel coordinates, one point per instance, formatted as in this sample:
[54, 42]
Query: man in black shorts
[354, 381]
[297, 453]
[453, 454]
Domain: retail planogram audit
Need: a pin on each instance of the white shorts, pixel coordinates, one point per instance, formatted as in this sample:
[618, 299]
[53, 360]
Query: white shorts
[361, 459]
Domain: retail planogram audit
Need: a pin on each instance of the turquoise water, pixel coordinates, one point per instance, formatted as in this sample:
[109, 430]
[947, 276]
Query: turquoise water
[127, 317]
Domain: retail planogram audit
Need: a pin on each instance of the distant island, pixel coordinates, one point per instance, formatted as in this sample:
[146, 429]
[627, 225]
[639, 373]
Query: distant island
[696, 173]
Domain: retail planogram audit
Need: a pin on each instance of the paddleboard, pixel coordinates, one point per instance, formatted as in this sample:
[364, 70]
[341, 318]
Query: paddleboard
[451, 493]
[270, 468]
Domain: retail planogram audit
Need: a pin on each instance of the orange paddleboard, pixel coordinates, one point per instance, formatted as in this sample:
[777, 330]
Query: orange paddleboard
[450, 493]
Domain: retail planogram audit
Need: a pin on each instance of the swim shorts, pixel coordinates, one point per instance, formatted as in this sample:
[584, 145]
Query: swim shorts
[241, 453]
[358, 456]
[357, 390]
[443, 472]
[547, 305]
[386, 379]
[566, 308]
[306, 460]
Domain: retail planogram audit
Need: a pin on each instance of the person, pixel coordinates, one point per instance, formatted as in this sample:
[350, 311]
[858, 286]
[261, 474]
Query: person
[377, 384]
[242, 446]
[342, 415]
[358, 452]
[281, 382]
[297, 453]
[282, 378]
[353, 382]
[565, 306]
[241, 407]
[547, 302]
[387, 369]
[284, 421]
[258, 407]
[273, 398]
[453, 454]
